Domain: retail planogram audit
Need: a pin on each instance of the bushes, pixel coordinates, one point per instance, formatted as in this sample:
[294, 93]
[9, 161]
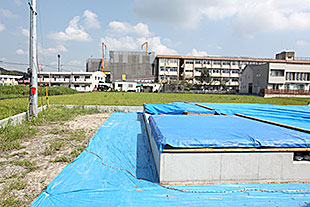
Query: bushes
[24, 90]
[16, 90]
[60, 90]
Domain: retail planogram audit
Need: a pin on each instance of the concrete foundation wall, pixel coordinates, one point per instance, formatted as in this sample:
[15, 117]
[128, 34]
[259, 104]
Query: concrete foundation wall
[188, 168]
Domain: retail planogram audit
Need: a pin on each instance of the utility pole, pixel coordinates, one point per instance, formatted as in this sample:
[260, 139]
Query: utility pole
[33, 67]
[58, 62]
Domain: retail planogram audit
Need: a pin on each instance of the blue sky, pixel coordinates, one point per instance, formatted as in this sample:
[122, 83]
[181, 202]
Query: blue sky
[75, 28]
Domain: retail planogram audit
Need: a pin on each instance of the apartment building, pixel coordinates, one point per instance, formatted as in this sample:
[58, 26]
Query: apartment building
[224, 72]
[276, 79]
[80, 81]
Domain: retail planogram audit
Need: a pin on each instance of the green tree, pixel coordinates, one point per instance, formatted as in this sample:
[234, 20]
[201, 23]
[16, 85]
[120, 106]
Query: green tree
[205, 78]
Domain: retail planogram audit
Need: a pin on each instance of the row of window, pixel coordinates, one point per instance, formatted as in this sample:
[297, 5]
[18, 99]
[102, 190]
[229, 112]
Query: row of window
[288, 87]
[169, 61]
[225, 79]
[67, 78]
[221, 62]
[297, 76]
[215, 70]
[277, 73]
[171, 69]
[166, 77]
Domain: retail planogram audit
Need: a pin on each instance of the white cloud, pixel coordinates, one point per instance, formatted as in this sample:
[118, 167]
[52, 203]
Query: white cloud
[195, 52]
[123, 36]
[2, 27]
[302, 43]
[20, 52]
[73, 32]
[7, 13]
[159, 48]
[24, 31]
[91, 20]
[3, 59]
[248, 16]
[123, 28]
[52, 51]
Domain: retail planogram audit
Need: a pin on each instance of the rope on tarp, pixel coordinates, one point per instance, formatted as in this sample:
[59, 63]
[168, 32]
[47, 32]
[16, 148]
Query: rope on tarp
[199, 191]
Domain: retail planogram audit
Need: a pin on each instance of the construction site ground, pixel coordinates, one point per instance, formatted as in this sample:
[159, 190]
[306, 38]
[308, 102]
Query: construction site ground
[25, 172]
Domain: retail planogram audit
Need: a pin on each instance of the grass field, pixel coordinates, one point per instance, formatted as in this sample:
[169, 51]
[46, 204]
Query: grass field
[12, 107]
[9, 95]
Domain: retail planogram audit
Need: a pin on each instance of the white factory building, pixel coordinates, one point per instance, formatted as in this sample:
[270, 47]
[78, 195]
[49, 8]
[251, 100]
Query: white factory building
[80, 81]
[276, 79]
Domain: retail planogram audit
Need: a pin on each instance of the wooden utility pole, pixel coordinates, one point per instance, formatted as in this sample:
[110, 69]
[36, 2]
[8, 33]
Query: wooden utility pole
[33, 66]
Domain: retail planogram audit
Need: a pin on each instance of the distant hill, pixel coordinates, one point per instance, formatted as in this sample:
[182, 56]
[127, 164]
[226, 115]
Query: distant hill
[12, 72]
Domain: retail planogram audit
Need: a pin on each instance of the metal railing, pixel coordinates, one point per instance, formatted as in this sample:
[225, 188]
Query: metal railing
[287, 91]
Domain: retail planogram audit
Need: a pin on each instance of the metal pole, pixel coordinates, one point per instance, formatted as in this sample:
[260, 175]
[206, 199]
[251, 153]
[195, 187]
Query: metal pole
[46, 94]
[33, 95]
[58, 62]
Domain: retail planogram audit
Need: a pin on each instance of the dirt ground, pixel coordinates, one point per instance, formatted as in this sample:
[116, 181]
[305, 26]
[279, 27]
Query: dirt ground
[26, 172]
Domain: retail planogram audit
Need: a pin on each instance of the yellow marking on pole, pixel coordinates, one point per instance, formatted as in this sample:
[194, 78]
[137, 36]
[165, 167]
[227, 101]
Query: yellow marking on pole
[46, 94]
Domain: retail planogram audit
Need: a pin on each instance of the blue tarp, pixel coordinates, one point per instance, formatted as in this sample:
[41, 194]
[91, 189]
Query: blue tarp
[221, 131]
[176, 108]
[122, 142]
[293, 115]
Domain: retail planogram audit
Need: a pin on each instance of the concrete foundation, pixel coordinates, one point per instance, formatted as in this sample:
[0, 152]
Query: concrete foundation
[227, 167]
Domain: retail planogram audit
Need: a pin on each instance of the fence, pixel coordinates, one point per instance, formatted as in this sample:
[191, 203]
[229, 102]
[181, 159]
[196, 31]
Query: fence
[287, 92]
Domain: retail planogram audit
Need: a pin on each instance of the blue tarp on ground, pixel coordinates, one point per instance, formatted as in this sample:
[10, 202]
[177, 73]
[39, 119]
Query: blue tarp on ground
[122, 142]
[293, 115]
[176, 108]
[221, 131]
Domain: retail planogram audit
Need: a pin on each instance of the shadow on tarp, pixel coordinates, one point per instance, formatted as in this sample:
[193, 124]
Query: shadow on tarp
[145, 165]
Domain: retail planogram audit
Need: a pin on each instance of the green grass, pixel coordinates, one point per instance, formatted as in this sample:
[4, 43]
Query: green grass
[9, 95]
[12, 107]
[53, 147]
[24, 90]
[30, 166]
[11, 137]
[138, 99]
[62, 158]
[12, 201]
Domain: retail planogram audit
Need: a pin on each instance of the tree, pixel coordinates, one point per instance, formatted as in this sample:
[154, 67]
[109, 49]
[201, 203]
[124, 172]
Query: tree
[223, 82]
[205, 78]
